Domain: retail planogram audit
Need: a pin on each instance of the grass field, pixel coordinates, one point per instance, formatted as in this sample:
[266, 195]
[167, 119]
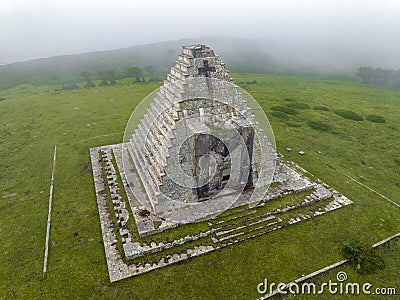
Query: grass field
[34, 119]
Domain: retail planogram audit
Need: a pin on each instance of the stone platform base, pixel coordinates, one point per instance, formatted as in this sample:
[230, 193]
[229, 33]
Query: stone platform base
[125, 223]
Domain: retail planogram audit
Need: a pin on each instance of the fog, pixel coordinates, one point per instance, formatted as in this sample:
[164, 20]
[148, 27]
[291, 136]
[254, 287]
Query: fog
[310, 33]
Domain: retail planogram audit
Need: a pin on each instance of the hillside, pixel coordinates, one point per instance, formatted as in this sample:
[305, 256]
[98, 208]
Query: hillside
[64, 69]
[240, 55]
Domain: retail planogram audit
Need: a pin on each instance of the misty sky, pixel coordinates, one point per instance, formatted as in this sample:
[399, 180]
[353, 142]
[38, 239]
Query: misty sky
[41, 28]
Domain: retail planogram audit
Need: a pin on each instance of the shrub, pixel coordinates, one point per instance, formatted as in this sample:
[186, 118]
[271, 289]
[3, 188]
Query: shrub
[298, 105]
[72, 86]
[375, 119]
[293, 124]
[348, 114]
[103, 83]
[280, 115]
[365, 258]
[321, 107]
[318, 125]
[284, 109]
[251, 82]
[89, 84]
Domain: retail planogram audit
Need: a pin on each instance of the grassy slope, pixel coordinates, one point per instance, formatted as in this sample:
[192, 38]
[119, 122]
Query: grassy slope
[33, 119]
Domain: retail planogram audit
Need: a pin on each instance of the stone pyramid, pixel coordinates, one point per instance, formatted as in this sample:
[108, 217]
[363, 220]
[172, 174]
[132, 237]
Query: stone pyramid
[198, 140]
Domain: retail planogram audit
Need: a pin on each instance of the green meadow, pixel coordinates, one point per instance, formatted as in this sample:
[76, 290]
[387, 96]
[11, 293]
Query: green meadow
[344, 128]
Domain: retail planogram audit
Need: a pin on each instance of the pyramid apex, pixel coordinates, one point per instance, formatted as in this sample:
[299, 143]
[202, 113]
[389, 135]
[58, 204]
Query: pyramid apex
[198, 50]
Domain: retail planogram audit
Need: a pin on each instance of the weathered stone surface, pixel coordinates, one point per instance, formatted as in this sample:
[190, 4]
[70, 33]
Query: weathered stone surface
[192, 130]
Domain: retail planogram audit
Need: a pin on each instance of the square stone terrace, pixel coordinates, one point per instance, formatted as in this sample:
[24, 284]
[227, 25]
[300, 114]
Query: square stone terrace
[125, 223]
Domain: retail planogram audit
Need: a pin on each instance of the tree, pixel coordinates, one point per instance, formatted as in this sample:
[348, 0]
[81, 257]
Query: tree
[153, 73]
[87, 76]
[365, 74]
[107, 75]
[110, 76]
[89, 84]
[135, 72]
[379, 77]
[103, 76]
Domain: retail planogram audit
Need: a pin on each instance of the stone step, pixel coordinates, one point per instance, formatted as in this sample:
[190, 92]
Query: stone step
[151, 168]
[142, 129]
[168, 95]
[174, 89]
[159, 128]
[153, 117]
[247, 230]
[154, 161]
[244, 226]
[178, 73]
[162, 96]
[156, 155]
[171, 78]
[161, 105]
[145, 177]
[166, 107]
[245, 214]
[152, 143]
[155, 167]
[158, 108]
[182, 65]
[153, 137]
[165, 116]
[149, 119]
[141, 173]
[140, 134]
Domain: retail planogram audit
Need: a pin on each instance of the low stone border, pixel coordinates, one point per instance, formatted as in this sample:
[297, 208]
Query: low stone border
[46, 250]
